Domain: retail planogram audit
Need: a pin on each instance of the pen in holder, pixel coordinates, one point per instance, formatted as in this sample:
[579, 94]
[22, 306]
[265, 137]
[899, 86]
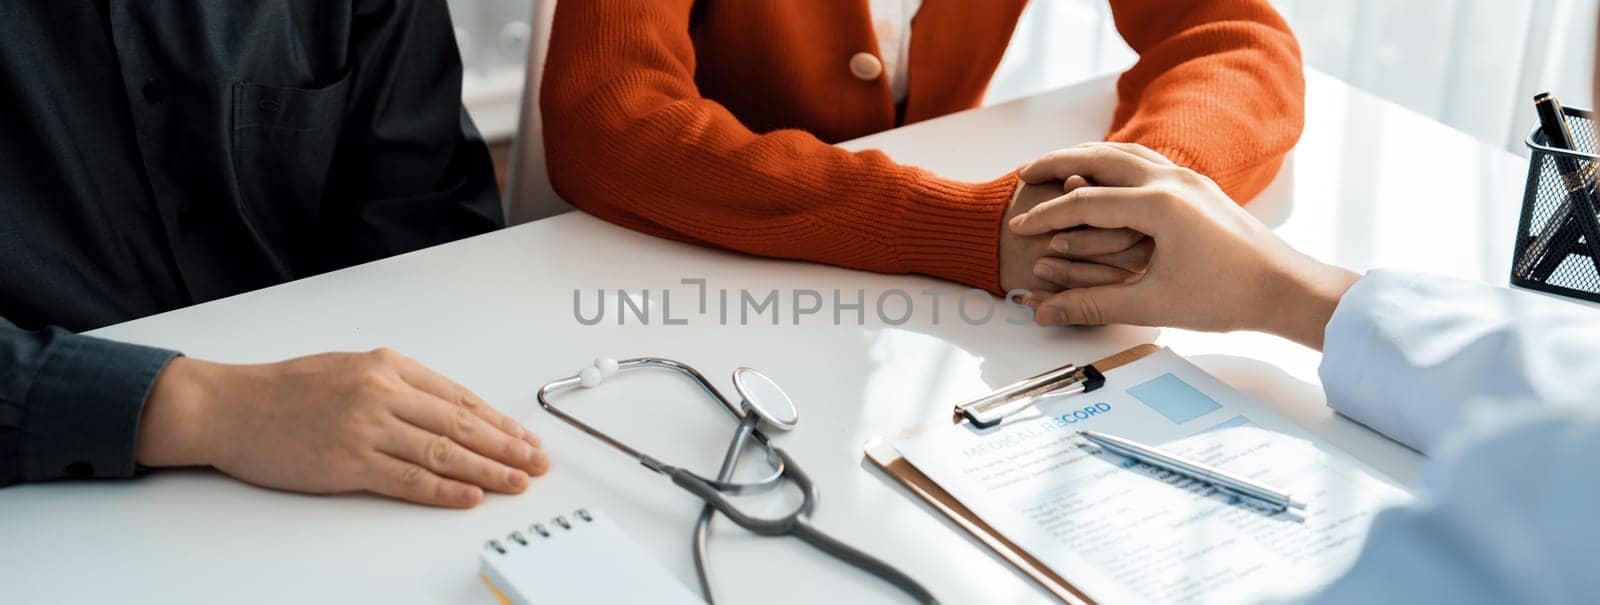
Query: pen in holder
[1558, 236]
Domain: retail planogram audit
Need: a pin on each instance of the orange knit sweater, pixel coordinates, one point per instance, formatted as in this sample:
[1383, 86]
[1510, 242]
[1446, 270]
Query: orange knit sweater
[710, 121]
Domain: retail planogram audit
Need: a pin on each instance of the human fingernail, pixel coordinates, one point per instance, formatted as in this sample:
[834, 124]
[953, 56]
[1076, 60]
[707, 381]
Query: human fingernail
[540, 463]
[1018, 220]
[1058, 243]
[516, 479]
[1042, 271]
[533, 454]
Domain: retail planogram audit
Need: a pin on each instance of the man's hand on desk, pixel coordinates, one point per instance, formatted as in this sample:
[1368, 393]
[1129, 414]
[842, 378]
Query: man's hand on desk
[1214, 266]
[338, 422]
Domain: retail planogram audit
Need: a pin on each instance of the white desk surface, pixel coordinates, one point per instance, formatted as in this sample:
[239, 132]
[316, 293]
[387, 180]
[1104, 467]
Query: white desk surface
[1371, 184]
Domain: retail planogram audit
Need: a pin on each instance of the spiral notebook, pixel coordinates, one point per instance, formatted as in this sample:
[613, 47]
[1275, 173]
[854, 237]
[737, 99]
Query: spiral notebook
[579, 558]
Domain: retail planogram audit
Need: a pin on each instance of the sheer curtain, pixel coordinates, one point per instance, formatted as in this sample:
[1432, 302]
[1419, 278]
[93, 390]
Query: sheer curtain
[1471, 64]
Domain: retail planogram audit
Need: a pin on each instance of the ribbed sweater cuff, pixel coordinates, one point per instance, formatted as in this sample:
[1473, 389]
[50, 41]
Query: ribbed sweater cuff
[951, 230]
[1241, 183]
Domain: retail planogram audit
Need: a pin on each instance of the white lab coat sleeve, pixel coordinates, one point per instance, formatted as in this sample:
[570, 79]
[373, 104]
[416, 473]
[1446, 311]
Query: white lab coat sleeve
[1404, 352]
[1506, 513]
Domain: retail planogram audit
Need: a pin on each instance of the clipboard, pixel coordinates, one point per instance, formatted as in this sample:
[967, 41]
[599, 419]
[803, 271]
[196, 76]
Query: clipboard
[881, 451]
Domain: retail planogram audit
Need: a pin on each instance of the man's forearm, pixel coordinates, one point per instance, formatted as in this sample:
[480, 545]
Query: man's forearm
[74, 402]
[172, 430]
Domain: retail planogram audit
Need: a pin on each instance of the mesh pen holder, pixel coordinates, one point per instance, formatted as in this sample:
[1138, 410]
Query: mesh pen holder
[1558, 235]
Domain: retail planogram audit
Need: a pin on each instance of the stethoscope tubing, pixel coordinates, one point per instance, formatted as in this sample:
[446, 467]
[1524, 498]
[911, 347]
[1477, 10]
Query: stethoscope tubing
[762, 485]
[702, 526]
[831, 546]
[715, 492]
[795, 524]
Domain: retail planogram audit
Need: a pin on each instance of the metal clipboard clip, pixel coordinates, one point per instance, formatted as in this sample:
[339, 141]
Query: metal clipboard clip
[991, 409]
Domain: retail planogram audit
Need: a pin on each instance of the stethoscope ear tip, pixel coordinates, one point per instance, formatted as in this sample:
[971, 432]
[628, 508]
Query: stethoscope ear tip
[591, 376]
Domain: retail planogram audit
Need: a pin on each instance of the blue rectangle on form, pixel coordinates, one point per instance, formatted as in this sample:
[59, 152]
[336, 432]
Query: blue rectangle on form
[1239, 420]
[1174, 398]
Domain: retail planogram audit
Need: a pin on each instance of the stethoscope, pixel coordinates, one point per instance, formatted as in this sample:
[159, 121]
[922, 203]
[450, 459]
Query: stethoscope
[762, 403]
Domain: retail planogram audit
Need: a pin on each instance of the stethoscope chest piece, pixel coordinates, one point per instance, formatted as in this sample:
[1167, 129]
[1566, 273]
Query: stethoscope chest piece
[763, 397]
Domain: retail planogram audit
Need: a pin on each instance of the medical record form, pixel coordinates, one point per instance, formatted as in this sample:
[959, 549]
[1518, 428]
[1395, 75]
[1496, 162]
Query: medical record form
[1125, 533]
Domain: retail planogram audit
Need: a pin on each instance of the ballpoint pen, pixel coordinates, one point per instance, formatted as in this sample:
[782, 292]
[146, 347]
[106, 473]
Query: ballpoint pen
[1274, 500]
[1575, 216]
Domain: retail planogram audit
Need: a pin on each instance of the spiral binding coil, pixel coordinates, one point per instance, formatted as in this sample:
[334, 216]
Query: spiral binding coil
[538, 528]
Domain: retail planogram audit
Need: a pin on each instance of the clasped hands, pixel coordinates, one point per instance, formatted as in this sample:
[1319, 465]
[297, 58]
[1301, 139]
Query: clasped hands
[1079, 256]
[1074, 256]
[1131, 238]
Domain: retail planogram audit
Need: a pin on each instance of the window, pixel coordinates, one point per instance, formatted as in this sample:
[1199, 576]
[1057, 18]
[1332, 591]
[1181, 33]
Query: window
[1472, 64]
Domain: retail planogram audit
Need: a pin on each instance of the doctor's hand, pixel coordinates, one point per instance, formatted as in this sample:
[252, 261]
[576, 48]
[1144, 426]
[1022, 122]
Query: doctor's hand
[338, 422]
[1214, 267]
[1051, 262]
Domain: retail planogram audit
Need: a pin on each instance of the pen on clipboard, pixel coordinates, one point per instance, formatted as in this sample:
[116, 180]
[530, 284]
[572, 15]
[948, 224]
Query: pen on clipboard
[1272, 499]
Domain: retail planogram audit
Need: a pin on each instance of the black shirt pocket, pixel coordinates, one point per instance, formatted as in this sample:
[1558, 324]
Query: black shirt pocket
[283, 149]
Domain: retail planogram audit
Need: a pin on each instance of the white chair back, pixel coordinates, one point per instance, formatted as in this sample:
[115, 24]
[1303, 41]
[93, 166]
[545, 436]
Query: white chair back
[530, 195]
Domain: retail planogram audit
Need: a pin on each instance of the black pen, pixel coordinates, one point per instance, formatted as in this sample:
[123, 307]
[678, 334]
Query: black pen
[1539, 261]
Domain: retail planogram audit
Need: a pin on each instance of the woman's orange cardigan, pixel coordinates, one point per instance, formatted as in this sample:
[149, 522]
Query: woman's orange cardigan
[710, 121]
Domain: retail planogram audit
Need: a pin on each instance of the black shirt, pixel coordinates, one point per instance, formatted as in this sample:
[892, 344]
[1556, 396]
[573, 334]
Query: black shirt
[157, 154]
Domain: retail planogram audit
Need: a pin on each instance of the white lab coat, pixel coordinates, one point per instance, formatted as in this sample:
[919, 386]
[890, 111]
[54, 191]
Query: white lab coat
[1501, 390]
